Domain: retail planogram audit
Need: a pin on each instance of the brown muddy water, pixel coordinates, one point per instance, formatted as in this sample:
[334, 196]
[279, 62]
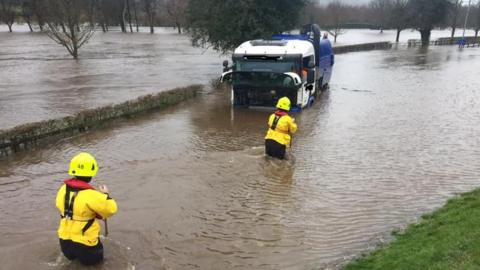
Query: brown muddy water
[40, 81]
[396, 135]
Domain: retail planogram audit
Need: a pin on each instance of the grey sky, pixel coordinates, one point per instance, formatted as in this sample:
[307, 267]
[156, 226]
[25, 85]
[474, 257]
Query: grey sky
[350, 2]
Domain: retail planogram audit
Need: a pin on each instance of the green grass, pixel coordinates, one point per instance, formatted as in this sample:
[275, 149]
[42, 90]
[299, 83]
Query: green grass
[447, 239]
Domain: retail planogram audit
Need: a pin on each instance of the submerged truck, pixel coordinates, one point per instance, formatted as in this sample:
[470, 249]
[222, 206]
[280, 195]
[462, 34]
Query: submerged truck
[295, 66]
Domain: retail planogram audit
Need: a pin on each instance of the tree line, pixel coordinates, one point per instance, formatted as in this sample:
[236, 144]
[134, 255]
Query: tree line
[71, 23]
[126, 14]
[423, 15]
[224, 24]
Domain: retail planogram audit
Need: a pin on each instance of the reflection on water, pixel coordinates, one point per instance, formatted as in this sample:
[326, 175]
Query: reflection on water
[393, 138]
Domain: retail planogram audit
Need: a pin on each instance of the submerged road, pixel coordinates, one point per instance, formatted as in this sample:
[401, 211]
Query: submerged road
[394, 137]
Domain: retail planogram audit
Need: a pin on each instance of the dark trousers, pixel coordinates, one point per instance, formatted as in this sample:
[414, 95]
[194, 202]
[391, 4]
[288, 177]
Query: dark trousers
[85, 254]
[275, 149]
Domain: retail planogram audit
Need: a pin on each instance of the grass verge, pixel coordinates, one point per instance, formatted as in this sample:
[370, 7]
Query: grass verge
[447, 239]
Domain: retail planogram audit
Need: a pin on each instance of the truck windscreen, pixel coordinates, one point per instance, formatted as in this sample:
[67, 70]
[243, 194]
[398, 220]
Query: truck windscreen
[267, 66]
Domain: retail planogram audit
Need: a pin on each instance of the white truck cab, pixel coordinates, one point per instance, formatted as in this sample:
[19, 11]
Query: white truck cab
[265, 70]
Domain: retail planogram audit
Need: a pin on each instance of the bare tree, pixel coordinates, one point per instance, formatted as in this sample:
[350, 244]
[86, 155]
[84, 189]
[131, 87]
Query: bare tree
[71, 27]
[7, 12]
[123, 20]
[176, 10]
[103, 11]
[135, 14]
[456, 5]
[129, 14]
[477, 19]
[399, 16]
[334, 18]
[27, 14]
[381, 9]
[150, 8]
[38, 8]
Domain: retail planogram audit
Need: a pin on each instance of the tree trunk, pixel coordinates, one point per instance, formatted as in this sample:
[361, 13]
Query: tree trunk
[29, 25]
[129, 16]
[425, 33]
[40, 22]
[454, 28]
[398, 35]
[75, 52]
[135, 14]
[122, 25]
[74, 46]
[124, 12]
[9, 27]
[63, 28]
[103, 27]
[151, 24]
[179, 27]
[476, 32]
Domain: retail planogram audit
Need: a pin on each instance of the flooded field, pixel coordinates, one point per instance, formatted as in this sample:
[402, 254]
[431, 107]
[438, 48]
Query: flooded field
[394, 137]
[39, 80]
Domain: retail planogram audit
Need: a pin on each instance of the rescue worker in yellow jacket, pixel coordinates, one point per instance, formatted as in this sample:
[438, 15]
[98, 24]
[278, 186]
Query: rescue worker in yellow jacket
[80, 205]
[280, 128]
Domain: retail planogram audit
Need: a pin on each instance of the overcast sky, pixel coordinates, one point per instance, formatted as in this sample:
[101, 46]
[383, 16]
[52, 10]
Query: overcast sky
[361, 2]
[350, 2]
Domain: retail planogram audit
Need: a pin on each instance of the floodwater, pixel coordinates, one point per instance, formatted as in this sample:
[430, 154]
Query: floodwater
[357, 36]
[394, 137]
[39, 80]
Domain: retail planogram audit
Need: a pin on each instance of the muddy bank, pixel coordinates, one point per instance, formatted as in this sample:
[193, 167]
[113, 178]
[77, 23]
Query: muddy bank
[19, 138]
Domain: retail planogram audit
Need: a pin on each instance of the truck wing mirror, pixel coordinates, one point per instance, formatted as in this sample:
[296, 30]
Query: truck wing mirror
[225, 65]
[311, 76]
[226, 76]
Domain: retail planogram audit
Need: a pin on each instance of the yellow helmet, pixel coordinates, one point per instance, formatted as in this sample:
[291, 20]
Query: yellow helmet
[84, 165]
[284, 104]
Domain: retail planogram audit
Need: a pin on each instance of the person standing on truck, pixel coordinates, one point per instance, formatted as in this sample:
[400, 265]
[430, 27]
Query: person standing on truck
[280, 128]
[304, 74]
[80, 205]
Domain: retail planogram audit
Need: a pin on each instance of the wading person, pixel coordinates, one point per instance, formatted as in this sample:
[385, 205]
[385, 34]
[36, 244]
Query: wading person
[80, 205]
[280, 128]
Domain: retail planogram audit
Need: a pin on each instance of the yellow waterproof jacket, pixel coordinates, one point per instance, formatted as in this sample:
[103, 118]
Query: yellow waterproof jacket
[281, 129]
[79, 224]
